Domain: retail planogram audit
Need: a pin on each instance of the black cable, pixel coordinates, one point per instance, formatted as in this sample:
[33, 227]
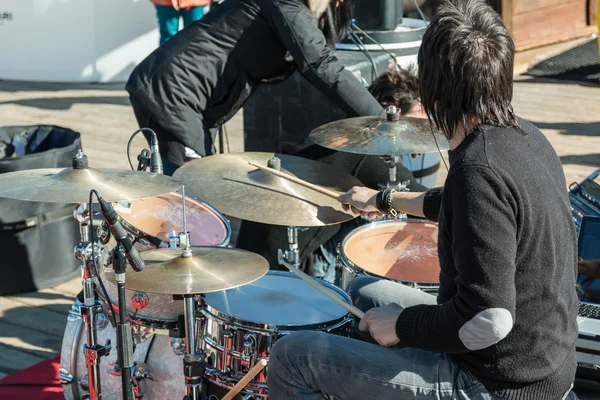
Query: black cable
[420, 11]
[438, 147]
[353, 25]
[133, 135]
[356, 40]
[111, 314]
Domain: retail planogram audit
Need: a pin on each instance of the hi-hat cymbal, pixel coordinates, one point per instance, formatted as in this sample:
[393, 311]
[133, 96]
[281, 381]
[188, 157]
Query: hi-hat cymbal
[377, 136]
[68, 185]
[242, 191]
[209, 269]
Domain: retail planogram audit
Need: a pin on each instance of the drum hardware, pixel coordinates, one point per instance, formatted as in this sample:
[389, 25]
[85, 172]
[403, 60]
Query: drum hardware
[179, 240]
[379, 136]
[90, 308]
[242, 191]
[124, 335]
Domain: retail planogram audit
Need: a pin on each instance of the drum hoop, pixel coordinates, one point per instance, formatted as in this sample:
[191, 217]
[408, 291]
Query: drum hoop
[223, 243]
[360, 270]
[236, 322]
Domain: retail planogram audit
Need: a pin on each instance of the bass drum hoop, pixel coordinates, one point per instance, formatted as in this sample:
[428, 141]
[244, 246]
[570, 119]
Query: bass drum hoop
[239, 323]
[358, 270]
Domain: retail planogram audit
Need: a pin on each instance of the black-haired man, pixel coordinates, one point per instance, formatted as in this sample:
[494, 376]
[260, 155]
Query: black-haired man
[504, 323]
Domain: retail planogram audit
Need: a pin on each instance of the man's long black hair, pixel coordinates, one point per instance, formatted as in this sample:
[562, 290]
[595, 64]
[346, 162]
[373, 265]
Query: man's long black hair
[336, 21]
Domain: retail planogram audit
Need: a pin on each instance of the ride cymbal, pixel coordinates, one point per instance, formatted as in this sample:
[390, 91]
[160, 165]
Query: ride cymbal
[240, 190]
[209, 269]
[69, 185]
[378, 136]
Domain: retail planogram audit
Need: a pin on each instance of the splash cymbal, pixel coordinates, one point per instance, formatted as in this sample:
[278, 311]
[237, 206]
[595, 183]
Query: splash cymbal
[378, 136]
[209, 269]
[240, 190]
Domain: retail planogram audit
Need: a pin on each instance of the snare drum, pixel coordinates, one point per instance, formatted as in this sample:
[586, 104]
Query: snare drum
[241, 325]
[153, 218]
[404, 251]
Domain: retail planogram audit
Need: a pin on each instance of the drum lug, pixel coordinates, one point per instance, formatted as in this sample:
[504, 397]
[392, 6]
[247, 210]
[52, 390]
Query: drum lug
[227, 339]
[250, 348]
[65, 377]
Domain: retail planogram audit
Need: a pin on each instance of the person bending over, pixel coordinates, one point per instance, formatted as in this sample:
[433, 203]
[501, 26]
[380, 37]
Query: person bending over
[203, 75]
[504, 323]
[317, 246]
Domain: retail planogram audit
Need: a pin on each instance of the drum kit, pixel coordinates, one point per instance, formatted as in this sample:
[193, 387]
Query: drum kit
[194, 318]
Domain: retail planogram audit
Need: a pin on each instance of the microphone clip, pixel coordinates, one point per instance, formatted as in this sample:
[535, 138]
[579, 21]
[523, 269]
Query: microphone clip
[143, 160]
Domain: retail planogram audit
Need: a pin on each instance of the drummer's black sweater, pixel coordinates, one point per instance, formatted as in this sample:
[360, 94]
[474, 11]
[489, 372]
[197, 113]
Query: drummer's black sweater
[507, 247]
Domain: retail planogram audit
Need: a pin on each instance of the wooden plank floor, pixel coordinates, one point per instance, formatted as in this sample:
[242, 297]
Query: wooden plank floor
[32, 324]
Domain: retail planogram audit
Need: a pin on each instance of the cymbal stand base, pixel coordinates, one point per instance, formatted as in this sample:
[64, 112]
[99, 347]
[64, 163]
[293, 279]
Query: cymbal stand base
[194, 364]
[90, 308]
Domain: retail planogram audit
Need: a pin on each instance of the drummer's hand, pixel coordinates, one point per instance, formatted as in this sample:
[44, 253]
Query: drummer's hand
[175, 4]
[380, 322]
[361, 200]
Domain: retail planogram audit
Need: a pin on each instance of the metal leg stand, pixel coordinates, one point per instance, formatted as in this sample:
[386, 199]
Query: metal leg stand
[90, 309]
[124, 337]
[193, 363]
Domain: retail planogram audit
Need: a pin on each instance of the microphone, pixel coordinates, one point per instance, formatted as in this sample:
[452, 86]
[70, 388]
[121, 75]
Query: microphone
[156, 165]
[116, 228]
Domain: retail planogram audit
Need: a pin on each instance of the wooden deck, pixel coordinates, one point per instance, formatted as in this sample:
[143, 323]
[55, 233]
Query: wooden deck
[32, 324]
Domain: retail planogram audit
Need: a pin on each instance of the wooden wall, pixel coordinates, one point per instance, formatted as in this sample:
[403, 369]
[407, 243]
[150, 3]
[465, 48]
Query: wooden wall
[535, 23]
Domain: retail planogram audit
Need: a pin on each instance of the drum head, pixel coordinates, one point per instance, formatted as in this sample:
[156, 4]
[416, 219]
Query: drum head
[280, 299]
[156, 216]
[400, 250]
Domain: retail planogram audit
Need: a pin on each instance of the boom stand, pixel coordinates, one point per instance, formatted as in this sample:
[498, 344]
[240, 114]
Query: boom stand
[124, 338]
[90, 309]
[393, 183]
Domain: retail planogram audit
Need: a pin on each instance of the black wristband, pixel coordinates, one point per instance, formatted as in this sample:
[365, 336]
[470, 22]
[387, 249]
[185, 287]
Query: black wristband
[379, 201]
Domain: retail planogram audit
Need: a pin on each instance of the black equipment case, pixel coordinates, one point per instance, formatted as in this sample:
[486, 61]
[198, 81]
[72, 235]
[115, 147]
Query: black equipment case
[36, 239]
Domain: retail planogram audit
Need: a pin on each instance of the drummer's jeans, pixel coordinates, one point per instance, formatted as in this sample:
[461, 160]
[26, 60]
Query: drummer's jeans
[305, 364]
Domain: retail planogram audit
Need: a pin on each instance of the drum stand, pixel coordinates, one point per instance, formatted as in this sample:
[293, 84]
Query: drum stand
[393, 183]
[292, 255]
[90, 309]
[194, 362]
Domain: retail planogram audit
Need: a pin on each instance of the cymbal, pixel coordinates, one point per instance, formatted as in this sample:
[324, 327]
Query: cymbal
[377, 136]
[209, 269]
[68, 185]
[237, 189]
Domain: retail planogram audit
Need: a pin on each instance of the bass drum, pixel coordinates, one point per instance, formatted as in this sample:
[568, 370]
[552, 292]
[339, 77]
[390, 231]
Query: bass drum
[159, 364]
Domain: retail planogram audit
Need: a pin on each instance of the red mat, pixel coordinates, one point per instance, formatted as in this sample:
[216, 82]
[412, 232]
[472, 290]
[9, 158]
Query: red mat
[39, 382]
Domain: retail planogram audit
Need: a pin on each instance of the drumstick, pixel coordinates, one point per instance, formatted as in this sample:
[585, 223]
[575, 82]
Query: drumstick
[291, 178]
[354, 310]
[247, 378]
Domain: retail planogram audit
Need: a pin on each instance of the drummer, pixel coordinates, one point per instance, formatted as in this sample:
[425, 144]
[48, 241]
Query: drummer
[317, 246]
[504, 323]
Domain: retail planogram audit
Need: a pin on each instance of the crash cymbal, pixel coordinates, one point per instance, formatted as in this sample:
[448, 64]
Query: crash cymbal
[377, 136]
[209, 269]
[240, 190]
[68, 185]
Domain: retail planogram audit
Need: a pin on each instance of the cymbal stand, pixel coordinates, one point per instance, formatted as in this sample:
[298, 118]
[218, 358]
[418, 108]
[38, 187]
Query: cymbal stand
[393, 183]
[194, 363]
[124, 337]
[90, 308]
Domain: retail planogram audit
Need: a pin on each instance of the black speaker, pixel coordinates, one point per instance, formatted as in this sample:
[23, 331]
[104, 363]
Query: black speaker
[378, 15]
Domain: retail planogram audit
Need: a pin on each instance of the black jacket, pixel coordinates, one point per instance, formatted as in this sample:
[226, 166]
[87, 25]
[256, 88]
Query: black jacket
[203, 75]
